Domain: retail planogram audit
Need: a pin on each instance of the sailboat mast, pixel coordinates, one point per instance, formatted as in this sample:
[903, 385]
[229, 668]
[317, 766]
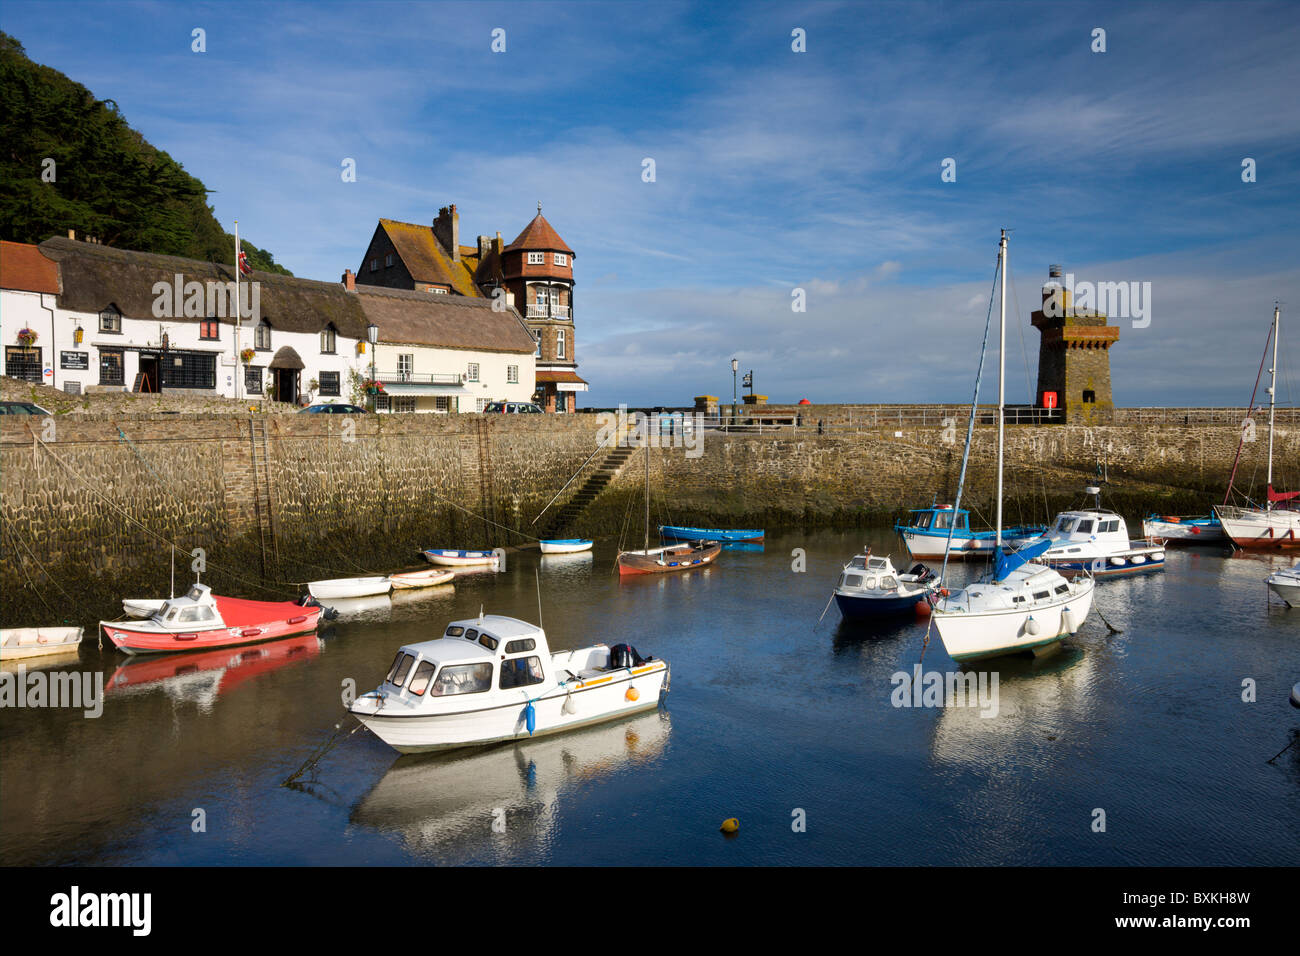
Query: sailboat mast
[1272, 402]
[647, 492]
[1002, 373]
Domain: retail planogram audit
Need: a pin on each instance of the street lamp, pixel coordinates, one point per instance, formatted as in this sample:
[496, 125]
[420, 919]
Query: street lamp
[372, 336]
[735, 365]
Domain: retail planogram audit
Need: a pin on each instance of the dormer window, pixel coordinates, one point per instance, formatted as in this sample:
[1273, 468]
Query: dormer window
[328, 340]
[262, 336]
[110, 320]
[561, 259]
[537, 258]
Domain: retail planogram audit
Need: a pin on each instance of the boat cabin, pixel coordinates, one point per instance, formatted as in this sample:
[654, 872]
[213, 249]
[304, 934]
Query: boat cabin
[1099, 529]
[196, 608]
[940, 518]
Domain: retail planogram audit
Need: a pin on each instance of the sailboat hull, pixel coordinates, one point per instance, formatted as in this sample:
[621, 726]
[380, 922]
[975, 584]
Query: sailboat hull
[978, 635]
[1277, 530]
[667, 560]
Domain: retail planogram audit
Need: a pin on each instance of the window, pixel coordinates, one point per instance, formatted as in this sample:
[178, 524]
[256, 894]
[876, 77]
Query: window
[1062, 588]
[480, 404]
[1089, 396]
[404, 403]
[537, 258]
[388, 261]
[442, 403]
[253, 379]
[25, 363]
[112, 367]
[210, 329]
[405, 366]
[473, 372]
[374, 265]
[512, 374]
[541, 295]
[488, 641]
[262, 336]
[520, 672]
[1085, 527]
[423, 674]
[402, 662]
[1039, 595]
[518, 647]
[190, 614]
[561, 259]
[189, 370]
[110, 320]
[463, 679]
[455, 631]
[437, 291]
[559, 343]
[328, 339]
[329, 383]
[537, 343]
[471, 634]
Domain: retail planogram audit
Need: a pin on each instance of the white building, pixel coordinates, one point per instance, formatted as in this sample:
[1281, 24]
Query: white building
[114, 319]
[444, 353]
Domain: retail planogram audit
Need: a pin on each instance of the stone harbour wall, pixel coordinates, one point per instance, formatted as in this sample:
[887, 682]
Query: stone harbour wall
[274, 501]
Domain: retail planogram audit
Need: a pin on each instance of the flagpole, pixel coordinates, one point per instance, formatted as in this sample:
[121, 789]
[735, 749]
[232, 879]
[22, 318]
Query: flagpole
[238, 310]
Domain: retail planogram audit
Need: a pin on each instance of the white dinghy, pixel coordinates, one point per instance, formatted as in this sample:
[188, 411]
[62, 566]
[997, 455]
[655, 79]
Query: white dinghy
[20, 643]
[142, 607]
[493, 678]
[408, 580]
[349, 587]
[1285, 583]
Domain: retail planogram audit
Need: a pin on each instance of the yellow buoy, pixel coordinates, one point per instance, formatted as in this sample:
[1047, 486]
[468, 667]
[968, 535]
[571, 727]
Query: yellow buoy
[730, 825]
[633, 694]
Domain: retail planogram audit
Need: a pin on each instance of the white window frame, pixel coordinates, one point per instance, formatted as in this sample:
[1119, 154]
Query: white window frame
[404, 404]
[472, 373]
[561, 258]
[537, 341]
[437, 291]
[480, 404]
[559, 343]
[512, 374]
[405, 366]
[328, 340]
[110, 320]
[537, 258]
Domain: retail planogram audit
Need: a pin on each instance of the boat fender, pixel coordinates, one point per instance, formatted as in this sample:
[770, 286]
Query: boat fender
[923, 608]
[632, 694]
[296, 619]
[1032, 627]
[530, 718]
[1067, 622]
[1295, 695]
[569, 706]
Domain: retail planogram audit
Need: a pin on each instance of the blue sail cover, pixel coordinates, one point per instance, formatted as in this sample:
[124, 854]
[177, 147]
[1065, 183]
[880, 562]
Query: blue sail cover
[1009, 561]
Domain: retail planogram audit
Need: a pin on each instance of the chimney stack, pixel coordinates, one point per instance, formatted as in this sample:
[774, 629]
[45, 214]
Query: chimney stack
[349, 280]
[72, 234]
[446, 229]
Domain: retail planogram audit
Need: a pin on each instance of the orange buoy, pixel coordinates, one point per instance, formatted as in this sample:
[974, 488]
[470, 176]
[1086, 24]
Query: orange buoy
[730, 825]
[922, 608]
[632, 694]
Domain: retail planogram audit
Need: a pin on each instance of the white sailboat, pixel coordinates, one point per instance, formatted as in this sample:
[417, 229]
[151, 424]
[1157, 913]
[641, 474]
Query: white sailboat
[1277, 524]
[1023, 606]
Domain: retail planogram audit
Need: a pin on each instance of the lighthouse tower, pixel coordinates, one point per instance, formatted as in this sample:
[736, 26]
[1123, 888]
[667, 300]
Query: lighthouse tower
[1073, 357]
[538, 269]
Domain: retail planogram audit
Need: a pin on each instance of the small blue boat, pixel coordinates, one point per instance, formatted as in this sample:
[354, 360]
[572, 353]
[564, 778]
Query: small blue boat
[930, 531]
[680, 533]
[870, 587]
[450, 557]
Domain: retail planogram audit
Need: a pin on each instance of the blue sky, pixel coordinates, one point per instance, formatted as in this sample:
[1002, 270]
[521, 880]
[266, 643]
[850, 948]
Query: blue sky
[774, 169]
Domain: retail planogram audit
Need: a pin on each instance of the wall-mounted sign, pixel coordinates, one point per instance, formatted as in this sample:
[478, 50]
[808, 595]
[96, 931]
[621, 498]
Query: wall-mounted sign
[74, 360]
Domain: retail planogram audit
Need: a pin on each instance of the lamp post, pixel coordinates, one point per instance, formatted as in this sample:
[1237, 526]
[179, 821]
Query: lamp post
[735, 366]
[372, 336]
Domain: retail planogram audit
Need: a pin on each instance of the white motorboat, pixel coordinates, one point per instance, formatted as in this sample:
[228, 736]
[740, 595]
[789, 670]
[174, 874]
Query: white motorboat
[870, 586]
[142, 607]
[565, 545]
[349, 587]
[1285, 583]
[1023, 606]
[458, 559]
[20, 643]
[1096, 541]
[1183, 529]
[406, 580]
[493, 678]
[1276, 525]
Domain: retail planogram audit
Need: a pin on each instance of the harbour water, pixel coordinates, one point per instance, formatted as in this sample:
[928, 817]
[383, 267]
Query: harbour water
[772, 718]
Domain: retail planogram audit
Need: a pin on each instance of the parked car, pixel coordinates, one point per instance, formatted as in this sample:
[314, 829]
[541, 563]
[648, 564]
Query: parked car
[21, 408]
[323, 408]
[514, 408]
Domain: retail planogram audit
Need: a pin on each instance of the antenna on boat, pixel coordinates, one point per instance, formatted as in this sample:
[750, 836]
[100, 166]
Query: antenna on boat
[480, 613]
[173, 551]
[538, 578]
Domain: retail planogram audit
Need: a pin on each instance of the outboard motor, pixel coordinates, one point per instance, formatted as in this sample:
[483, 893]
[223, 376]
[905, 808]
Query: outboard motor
[625, 655]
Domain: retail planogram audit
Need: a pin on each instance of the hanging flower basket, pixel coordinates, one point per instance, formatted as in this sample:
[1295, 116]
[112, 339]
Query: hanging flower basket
[27, 336]
[247, 355]
[374, 388]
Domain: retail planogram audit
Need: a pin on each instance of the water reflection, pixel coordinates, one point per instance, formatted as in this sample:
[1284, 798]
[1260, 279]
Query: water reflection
[202, 678]
[444, 806]
[375, 608]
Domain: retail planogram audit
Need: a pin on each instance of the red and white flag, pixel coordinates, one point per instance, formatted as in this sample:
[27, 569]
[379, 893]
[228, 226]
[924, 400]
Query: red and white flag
[244, 267]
